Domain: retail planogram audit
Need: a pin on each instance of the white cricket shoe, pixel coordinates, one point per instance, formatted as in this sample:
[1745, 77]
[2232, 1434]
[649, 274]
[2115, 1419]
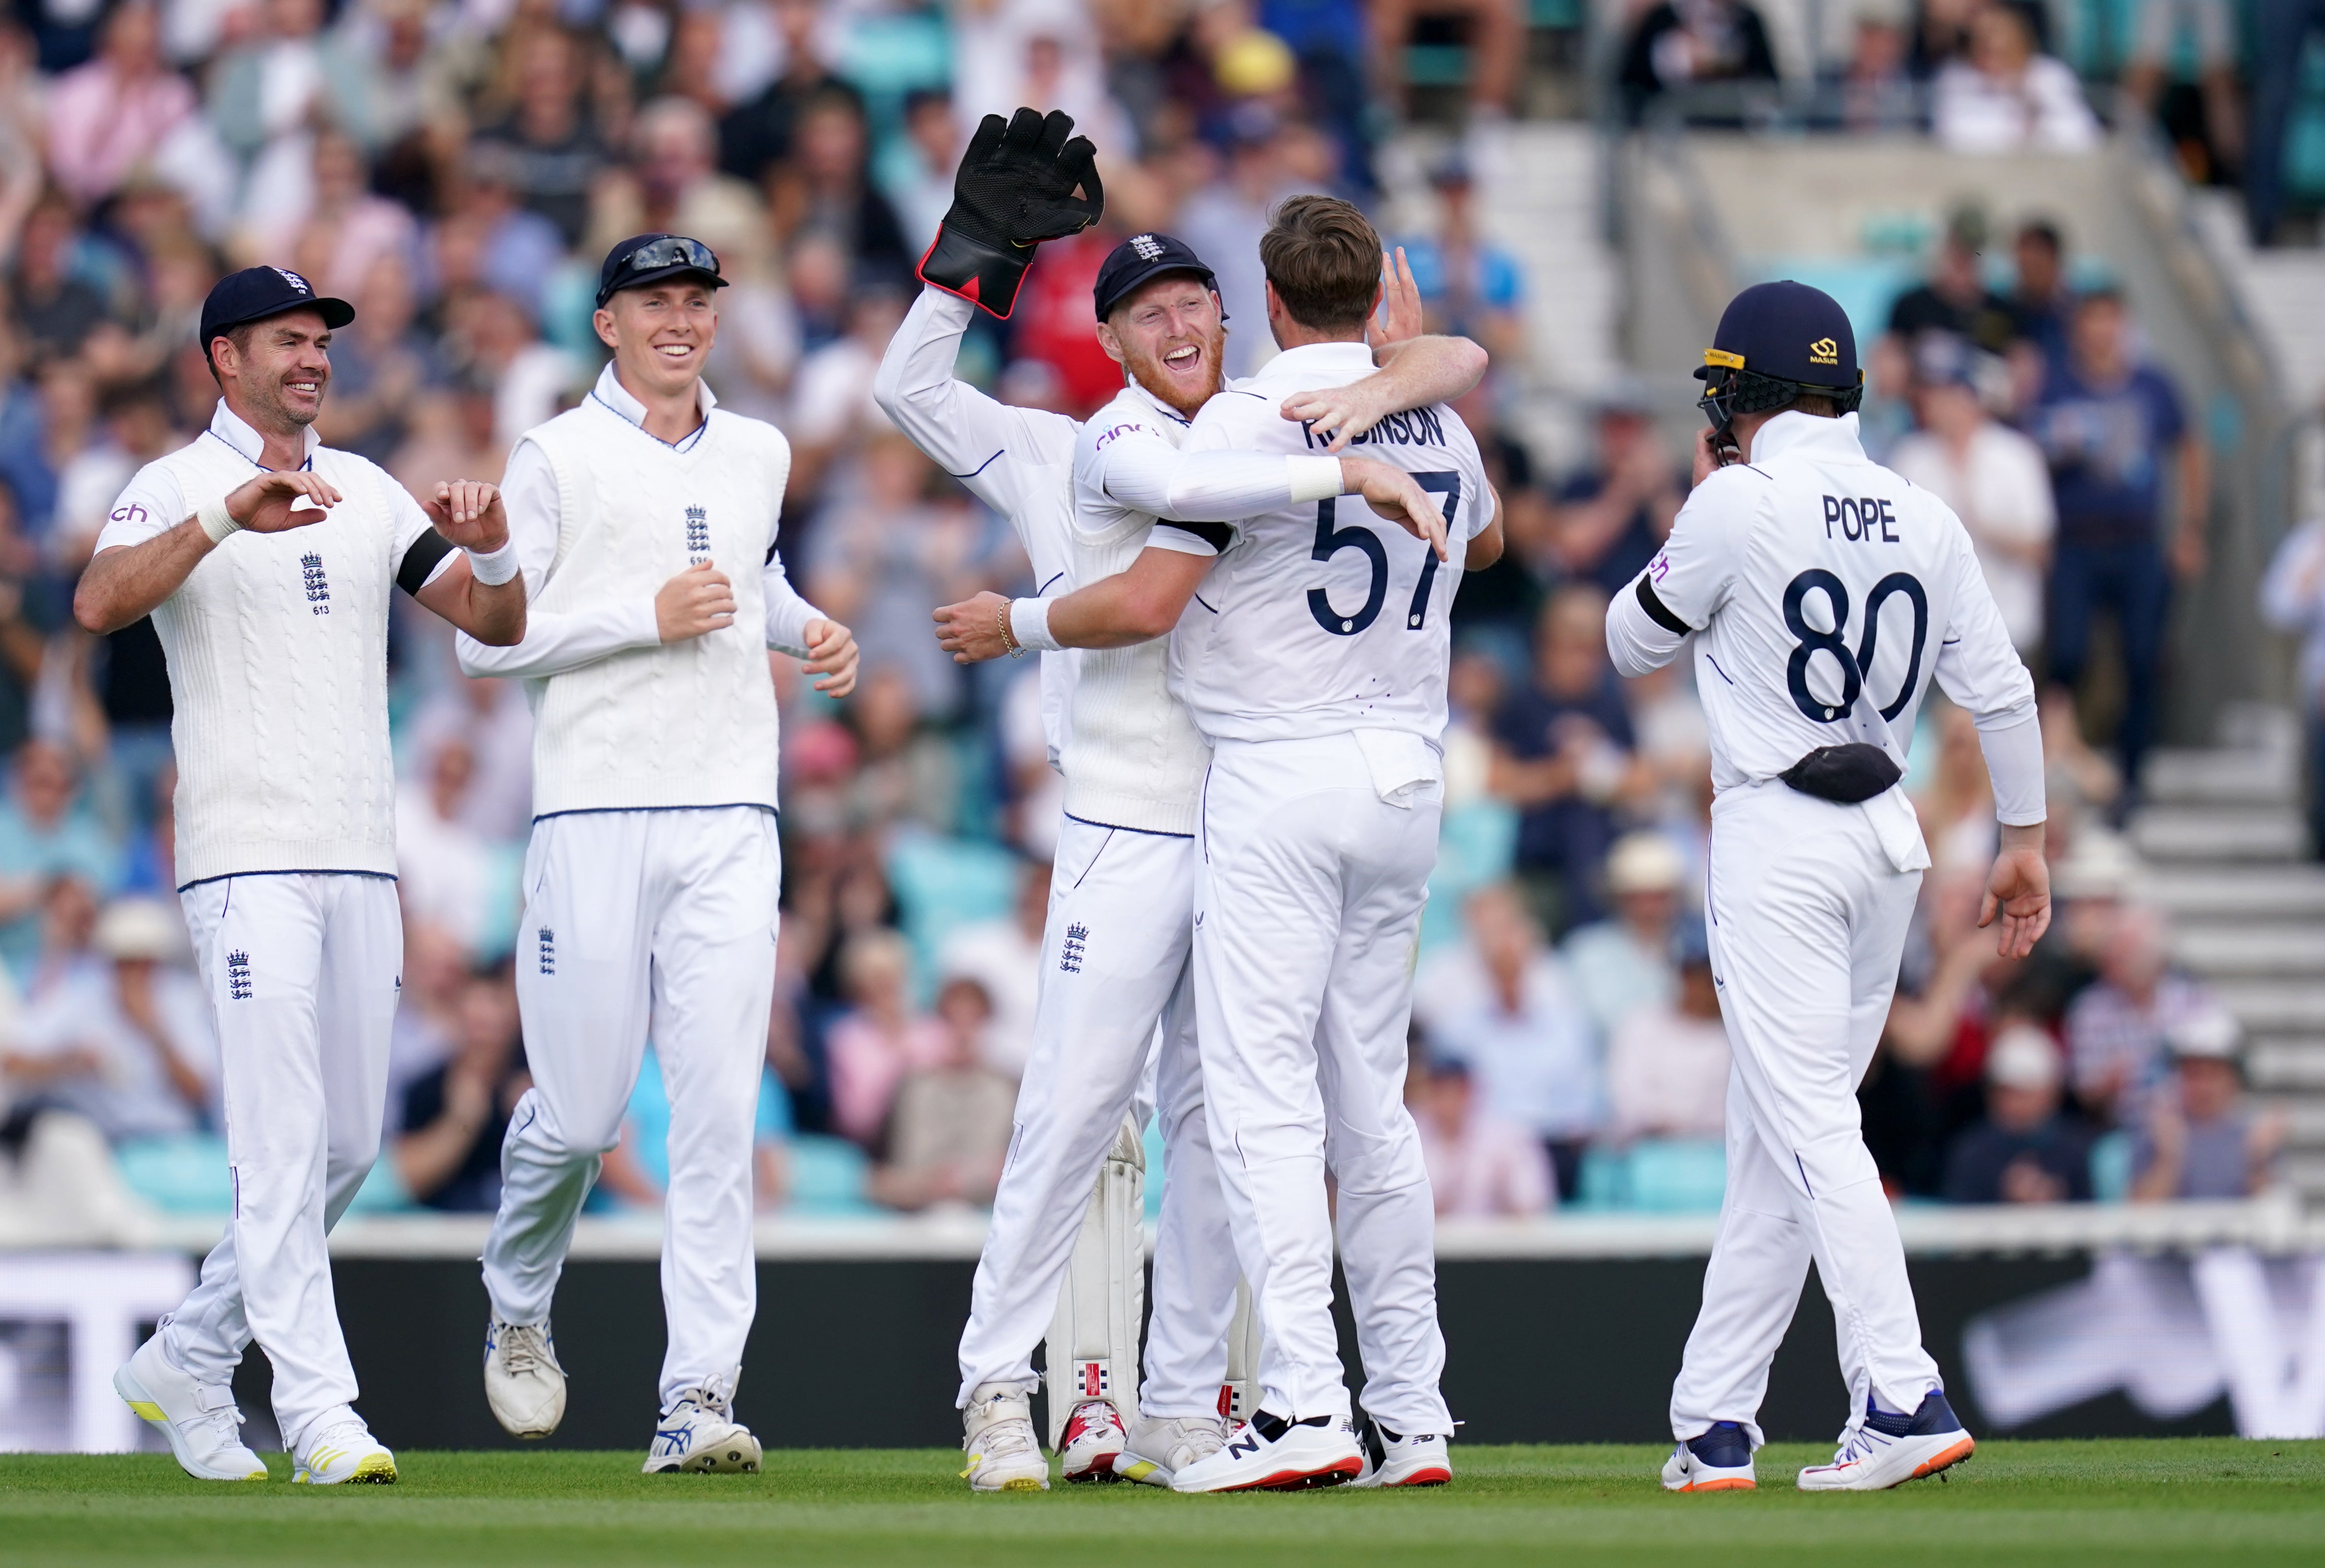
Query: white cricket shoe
[1093, 1440]
[1411, 1459]
[1720, 1460]
[1159, 1446]
[338, 1449]
[998, 1436]
[523, 1384]
[1890, 1450]
[204, 1428]
[699, 1433]
[1269, 1453]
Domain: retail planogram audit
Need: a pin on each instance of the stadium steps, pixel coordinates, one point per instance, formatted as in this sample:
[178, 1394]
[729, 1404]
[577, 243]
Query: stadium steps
[2225, 853]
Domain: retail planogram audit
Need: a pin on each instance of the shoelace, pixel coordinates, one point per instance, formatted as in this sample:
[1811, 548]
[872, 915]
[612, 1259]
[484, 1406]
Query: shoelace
[523, 1348]
[1006, 1437]
[339, 1434]
[226, 1420]
[702, 1399]
[1200, 1440]
[1861, 1445]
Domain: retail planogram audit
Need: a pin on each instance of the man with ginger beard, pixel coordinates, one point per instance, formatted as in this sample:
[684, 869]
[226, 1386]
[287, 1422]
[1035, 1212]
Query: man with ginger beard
[1115, 953]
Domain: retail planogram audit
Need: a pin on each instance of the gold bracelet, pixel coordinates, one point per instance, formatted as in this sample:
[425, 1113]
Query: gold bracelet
[1009, 637]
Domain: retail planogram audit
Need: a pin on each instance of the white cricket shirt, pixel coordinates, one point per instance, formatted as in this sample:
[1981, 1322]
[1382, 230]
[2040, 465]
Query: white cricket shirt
[1825, 592]
[1318, 618]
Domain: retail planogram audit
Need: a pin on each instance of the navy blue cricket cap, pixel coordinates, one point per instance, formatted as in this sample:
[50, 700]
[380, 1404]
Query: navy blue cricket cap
[649, 258]
[1140, 258]
[254, 293]
[1786, 330]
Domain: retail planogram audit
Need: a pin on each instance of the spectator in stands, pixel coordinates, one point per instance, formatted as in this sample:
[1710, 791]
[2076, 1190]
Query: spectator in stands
[2293, 600]
[2109, 425]
[950, 1128]
[2006, 98]
[28, 614]
[447, 1154]
[2210, 29]
[1874, 93]
[441, 862]
[2025, 1149]
[2041, 303]
[921, 188]
[1506, 1008]
[1493, 31]
[2118, 1028]
[759, 134]
[491, 718]
[2202, 1138]
[1624, 965]
[2282, 30]
[1004, 957]
[554, 148]
[1565, 759]
[827, 187]
[1685, 46]
[1667, 1062]
[881, 1038]
[45, 837]
[54, 309]
[1994, 478]
[1612, 517]
[113, 115]
[1470, 286]
[127, 1043]
[1954, 299]
[1481, 1165]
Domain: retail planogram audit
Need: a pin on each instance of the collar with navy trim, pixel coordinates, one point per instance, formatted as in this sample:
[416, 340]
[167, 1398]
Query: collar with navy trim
[1318, 359]
[1131, 383]
[1810, 436]
[238, 432]
[610, 392]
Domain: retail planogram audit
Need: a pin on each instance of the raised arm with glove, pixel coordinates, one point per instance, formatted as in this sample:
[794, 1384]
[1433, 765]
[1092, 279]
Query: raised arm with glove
[1014, 189]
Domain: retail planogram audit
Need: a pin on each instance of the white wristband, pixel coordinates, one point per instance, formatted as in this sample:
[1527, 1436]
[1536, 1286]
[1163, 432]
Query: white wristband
[1028, 623]
[491, 569]
[215, 521]
[1314, 479]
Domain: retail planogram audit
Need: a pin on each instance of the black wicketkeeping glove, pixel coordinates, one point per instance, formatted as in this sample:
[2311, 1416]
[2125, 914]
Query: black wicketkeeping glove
[1015, 188]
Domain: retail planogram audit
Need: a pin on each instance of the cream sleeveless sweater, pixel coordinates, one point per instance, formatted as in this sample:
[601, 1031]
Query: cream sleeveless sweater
[688, 723]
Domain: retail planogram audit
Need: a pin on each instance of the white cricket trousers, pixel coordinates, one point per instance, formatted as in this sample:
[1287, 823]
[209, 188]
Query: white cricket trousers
[304, 969]
[1807, 921]
[1114, 964]
[643, 923]
[1307, 912]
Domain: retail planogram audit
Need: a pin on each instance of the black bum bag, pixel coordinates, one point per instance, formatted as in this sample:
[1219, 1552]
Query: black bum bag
[1845, 775]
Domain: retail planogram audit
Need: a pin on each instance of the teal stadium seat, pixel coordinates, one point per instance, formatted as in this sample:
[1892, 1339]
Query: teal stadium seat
[1656, 1175]
[830, 1177]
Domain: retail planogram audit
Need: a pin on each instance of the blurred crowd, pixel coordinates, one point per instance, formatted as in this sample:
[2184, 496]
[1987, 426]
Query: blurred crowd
[456, 168]
[2223, 81]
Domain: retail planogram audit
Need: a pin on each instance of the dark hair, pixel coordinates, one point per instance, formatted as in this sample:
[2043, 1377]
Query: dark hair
[2042, 232]
[1325, 260]
[237, 335]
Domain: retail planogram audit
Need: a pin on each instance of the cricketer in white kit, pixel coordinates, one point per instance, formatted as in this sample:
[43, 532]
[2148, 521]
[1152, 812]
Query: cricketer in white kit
[1116, 947]
[1316, 831]
[651, 878]
[265, 559]
[1823, 594]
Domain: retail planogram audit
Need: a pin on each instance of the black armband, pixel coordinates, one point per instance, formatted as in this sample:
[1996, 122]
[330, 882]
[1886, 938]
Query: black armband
[1218, 535]
[1660, 612]
[419, 560]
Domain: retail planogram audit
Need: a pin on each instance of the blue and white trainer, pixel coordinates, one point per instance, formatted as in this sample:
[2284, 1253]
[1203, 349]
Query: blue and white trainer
[699, 1435]
[1890, 1450]
[204, 1428]
[1719, 1461]
[523, 1384]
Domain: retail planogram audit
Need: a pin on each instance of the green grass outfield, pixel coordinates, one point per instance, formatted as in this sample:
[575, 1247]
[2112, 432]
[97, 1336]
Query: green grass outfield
[2108, 1503]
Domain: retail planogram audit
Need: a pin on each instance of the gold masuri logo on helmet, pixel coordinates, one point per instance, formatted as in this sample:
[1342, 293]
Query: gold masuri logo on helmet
[1824, 351]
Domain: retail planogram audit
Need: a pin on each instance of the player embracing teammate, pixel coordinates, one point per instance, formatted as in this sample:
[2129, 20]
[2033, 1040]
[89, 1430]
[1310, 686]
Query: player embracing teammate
[1311, 652]
[1116, 952]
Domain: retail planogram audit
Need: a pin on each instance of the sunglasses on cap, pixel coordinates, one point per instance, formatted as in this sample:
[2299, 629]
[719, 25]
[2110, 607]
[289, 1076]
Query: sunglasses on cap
[671, 253]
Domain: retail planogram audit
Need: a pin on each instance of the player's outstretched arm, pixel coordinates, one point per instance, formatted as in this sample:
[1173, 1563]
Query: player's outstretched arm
[123, 585]
[1135, 605]
[2018, 892]
[1413, 374]
[471, 514]
[1015, 188]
